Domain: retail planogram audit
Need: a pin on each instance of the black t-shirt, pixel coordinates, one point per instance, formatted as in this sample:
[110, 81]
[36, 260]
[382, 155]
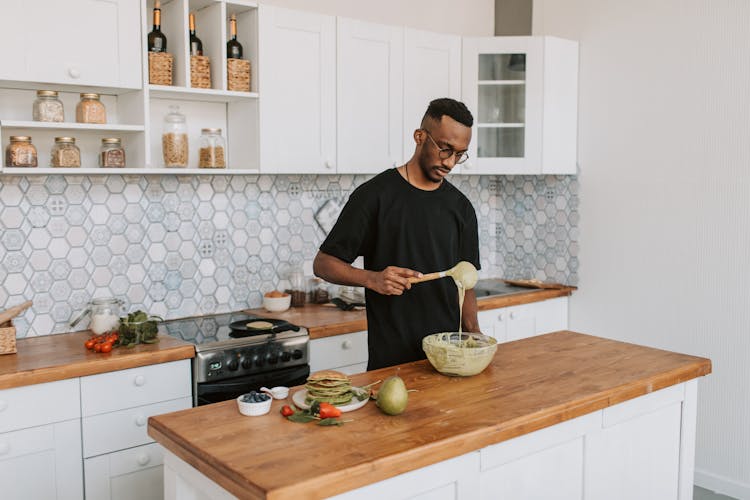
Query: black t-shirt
[392, 223]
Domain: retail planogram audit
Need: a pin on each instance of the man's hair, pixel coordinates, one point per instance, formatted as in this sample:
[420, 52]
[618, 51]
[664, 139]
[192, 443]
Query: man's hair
[447, 106]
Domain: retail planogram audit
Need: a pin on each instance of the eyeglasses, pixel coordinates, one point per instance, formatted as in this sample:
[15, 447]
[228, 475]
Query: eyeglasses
[445, 153]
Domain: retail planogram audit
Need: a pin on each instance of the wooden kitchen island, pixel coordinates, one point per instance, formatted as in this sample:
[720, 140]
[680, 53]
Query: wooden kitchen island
[558, 416]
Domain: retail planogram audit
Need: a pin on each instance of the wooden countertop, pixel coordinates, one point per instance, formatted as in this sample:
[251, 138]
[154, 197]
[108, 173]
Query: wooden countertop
[531, 384]
[57, 357]
[326, 321]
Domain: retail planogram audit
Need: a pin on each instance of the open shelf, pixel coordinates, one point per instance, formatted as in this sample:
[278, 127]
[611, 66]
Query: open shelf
[106, 127]
[205, 95]
[125, 171]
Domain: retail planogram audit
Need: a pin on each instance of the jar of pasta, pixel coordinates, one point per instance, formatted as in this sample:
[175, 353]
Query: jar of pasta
[212, 147]
[20, 152]
[174, 139]
[111, 154]
[65, 153]
[47, 107]
[90, 109]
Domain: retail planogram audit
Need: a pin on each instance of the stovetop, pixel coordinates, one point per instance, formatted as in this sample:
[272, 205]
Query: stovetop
[214, 330]
[221, 354]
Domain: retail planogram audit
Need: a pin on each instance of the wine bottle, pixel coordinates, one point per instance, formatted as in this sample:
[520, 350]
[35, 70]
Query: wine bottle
[234, 48]
[196, 46]
[157, 42]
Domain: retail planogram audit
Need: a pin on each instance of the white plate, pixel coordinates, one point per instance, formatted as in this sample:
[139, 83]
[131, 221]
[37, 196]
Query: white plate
[355, 404]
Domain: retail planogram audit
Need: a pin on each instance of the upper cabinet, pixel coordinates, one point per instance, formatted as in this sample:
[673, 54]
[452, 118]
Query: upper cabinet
[370, 96]
[432, 69]
[298, 85]
[75, 42]
[524, 95]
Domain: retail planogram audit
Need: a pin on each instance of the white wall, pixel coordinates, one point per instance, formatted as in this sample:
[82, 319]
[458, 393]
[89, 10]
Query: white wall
[664, 154]
[466, 17]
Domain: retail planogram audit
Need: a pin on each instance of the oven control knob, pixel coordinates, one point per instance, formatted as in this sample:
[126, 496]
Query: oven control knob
[233, 365]
[247, 363]
[286, 356]
[297, 354]
[272, 358]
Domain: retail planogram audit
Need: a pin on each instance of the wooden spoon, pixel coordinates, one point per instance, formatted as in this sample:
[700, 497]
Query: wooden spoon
[14, 311]
[463, 272]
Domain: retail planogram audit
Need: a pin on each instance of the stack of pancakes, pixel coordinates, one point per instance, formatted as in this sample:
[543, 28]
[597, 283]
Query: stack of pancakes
[328, 386]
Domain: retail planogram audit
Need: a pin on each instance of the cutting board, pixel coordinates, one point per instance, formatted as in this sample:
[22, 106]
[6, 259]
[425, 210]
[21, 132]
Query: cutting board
[535, 284]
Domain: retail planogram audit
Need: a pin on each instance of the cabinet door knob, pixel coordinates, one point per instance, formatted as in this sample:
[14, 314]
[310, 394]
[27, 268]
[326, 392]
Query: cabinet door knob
[500, 317]
[328, 164]
[140, 420]
[74, 73]
[143, 459]
[3, 405]
[139, 380]
[347, 344]
[4, 448]
[512, 315]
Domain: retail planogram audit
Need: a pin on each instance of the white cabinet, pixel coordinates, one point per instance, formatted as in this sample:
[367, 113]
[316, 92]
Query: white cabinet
[120, 459]
[76, 42]
[526, 320]
[346, 353]
[523, 92]
[369, 106]
[132, 474]
[432, 69]
[298, 88]
[40, 443]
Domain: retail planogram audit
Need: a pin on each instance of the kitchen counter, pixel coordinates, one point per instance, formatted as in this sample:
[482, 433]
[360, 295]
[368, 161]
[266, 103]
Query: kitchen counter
[531, 384]
[326, 321]
[56, 357]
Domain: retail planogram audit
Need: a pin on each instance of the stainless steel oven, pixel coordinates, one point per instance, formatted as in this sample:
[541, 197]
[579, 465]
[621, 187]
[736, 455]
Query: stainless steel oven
[236, 353]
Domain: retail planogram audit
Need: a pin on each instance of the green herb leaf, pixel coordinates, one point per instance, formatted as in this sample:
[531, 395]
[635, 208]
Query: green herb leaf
[331, 421]
[301, 418]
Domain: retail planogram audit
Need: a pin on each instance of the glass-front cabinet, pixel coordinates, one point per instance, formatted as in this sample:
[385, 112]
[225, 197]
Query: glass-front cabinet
[523, 94]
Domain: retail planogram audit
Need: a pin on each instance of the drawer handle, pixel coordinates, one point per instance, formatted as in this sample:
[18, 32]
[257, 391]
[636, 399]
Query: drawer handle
[4, 448]
[3, 405]
[143, 459]
[74, 73]
[140, 420]
[139, 380]
[347, 344]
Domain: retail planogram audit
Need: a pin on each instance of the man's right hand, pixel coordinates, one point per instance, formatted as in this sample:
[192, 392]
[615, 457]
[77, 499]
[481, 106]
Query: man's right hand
[392, 280]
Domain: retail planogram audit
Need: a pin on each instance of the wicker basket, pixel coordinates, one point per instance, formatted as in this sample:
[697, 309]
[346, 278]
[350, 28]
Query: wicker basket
[160, 68]
[200, 72]
[7, 338]
[238, 75]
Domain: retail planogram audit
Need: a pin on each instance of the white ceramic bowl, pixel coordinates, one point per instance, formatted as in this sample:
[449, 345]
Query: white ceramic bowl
[277, 304]
[279, 392]
[254, 409]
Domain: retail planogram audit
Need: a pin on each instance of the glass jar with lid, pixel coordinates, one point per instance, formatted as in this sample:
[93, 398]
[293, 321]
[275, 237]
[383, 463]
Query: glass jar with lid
[174, 138]
[47, 107]
[90, 109]
[111, 153]
[105, 315]
[20, 152]
[65, 153]
[212, 149]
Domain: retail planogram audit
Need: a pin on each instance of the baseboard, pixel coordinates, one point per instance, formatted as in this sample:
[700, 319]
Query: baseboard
[722, 485]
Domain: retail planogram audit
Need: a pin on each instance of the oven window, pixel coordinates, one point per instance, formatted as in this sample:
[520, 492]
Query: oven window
[214, 392]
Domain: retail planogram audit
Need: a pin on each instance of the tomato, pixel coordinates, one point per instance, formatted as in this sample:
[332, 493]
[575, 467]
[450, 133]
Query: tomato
[327, 410]
[106, 347]
[89, 344]
[98, 347]
[286, 410]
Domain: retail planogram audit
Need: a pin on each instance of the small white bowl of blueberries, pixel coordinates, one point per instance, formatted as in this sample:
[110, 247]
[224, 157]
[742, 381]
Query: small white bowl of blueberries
[254, 403]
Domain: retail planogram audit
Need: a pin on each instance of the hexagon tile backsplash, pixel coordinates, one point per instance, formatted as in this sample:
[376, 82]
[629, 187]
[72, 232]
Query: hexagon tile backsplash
[180, 245]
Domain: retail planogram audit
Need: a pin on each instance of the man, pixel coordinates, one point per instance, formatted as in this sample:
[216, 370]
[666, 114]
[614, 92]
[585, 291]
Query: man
[407, 221]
